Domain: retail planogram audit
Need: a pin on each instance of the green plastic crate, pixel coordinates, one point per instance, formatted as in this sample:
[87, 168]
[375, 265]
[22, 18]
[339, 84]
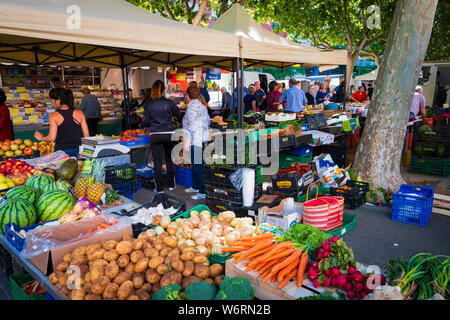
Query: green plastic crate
[16, 281]
[348, 224]
[287, 160]
[432, 167]
[215, 258]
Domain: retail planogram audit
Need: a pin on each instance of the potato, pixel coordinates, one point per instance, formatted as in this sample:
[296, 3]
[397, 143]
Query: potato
[98, 262]
[151, 253]
[215, 270]
[162, 235]
[200, 258]
[62, 266]
[152, 239]
[78, 260]
[169, 259]
[66, 291]
[138, 244]
[123, 261]
[142, 294]
[152, 276]
[164, 251]
[126, 237]
[187, 256]
[111, 291]
[92, 247]
[155, 262]
[124, 247]
[188, 249]
[147, 287]
[188, 268]
[162, 269]
[186, 282]
[218, 280]
[171, 277]
[111, 255]
[99, 285]
[97, 272]
[156, 219]
[171, 231]
[130, 268]
[96, 254]
[125, 290]
[109, 245]
[91, 296]
[170, 241]
[112, 270]
[84, 269]
[135, 256]
[182, 246]
[121, 278]
[158, 244]
[201, 271]
[143, 236]
[177, 265]
[53, 278]
[210, 281]
[87, 277]
[138, 280]
[133, 297]
[156, 287]
[147, 245]
[141, 265]
[80, 251]
[174, 252]
[67, 257]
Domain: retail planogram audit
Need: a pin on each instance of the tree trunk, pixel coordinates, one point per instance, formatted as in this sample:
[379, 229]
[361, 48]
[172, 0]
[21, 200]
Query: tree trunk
[378, 156]
[200, 12]
[351, 61]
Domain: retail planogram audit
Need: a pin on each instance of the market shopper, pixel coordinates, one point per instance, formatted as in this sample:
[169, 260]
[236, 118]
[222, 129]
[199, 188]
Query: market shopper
[273, 97]
[201, 97]
[294, 97]
[65, 123]
[133, 105]
[360, 95]
[92, 110]
[158, 113]
[5, 119]
[250, 100]
[56, 83]
[323, 94]
[195, 134]
[204, 92]
[310, 95]
[227, 105]
[260, 96]
[339, 92]
[370, 91]
[418, 104]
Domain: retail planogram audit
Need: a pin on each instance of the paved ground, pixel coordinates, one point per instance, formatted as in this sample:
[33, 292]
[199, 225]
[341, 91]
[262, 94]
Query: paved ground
[375, 240]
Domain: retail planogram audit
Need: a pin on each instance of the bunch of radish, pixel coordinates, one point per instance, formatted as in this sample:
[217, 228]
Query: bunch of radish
[335, 267]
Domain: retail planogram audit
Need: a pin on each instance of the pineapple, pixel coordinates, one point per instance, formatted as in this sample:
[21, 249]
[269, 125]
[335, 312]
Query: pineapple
[95, 191]
[98, 171]
[81, 187]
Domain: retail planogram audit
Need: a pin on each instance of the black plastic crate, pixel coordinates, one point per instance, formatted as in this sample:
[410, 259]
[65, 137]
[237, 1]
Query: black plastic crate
[126, 188]
[302, 139]
[231, 194]
[316, 121]
[337, 151]
[220, 175]
[218, 206]
[364, 186]
[166, 200]
[120, 174]
[286, 142]
[222, 127]
[331, 129]
[147, 183]
[351, 190]
[291, 181]
[354, 203]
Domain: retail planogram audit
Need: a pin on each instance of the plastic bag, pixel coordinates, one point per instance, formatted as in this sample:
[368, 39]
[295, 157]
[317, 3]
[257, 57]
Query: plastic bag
[52, 160]
[236, 179]
[39, 241]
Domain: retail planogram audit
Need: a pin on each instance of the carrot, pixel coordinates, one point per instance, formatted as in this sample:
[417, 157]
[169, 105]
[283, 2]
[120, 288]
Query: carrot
[235, 249]
[260, 265]
[287, 279]
[287, 270]
[113, 223]
[301, 268]
[276, 248]
[293, 257]
[259, 253]
[269, 265]
[264, 244]
[242, 243]
[281, 254]
[104, 225]
[261, 236]
[274, 278]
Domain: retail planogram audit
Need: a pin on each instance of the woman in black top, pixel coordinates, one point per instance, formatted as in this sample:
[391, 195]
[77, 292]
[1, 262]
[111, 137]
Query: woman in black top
[65, 123]
[158, 113]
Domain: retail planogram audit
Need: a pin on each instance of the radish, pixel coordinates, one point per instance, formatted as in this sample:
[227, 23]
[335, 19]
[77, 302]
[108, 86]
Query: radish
[359, 287]
[341, 280]
[350, 295]
[315, 265]
[316, 283]
[335, 239]
[313, 274]
[357, 276]
[333, 282]
[326, 282]
[348, 286]
[382, 279]
[335, 272]
[320, 255]
[328, 273]
[326, 245]
[363, 294]
[326, 254]
[351, 270]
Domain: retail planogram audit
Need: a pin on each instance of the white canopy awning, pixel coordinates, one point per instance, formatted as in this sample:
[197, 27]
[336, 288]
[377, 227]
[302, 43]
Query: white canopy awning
[269, 49]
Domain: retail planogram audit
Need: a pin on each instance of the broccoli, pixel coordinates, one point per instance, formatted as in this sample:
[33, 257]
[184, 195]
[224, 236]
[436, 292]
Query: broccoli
[201, 290]
[169, 292]
[236, 288]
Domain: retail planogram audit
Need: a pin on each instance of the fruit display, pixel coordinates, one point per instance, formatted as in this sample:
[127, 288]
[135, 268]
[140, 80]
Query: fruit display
[46, 148]
[83, 209]
[11, 166]
[23, 193]
[5, 183]
[57, 185]
[18, 211]
[67, 170]
[137, 269]
[17, 148]
[129, 135]
[53, 205]
[39, 182]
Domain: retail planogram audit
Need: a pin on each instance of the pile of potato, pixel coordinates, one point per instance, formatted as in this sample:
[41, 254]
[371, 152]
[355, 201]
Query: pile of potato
[134, 269]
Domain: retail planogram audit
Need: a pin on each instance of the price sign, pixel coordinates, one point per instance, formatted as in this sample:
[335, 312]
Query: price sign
[181, 76]
[20, 89]
[24, 96]
[17, 120]
[14, 112]
[10, 96]
[33, 119]
[87, 166]
[29, 110]
[37, 96]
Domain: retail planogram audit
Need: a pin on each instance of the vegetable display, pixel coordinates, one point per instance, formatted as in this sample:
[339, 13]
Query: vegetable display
[304, 237]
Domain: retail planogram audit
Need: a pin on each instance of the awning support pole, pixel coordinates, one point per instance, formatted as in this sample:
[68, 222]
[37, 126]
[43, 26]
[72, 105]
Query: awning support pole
[240, 83]
[125, 95]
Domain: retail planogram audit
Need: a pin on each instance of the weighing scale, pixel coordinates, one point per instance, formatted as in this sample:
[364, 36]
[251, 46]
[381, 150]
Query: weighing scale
[102, 146]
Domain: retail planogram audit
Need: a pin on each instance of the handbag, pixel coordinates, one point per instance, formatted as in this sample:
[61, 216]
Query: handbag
[324, 213]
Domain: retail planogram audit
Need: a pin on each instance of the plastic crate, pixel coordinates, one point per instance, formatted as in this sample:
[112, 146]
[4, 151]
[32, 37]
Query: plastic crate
[225, 194]
[286, 142]
[146, 183]
[166, 200]
[412, 204]
[16, 282]
[336, 151]
[35, 154]
[218, 206]
[348, 224]
[316, 121]
[144, 170]
[302, 139]
[349, 191]
[120, 174]
[133, 143]
[430, 166]
[292, 181]
[13, 238]
[354, 203]
[287, 160]
[300, 151]
[220, 175]
[126, 189]
[183, 176]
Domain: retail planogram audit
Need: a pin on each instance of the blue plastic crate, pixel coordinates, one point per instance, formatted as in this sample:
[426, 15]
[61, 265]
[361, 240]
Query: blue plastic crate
[145, 139]
[413, 205]
[300, 151]
[132, 143]
[305, 126]
[183, 176]
[16, 241]
[144, 170]
[125, 188]
[49, 297]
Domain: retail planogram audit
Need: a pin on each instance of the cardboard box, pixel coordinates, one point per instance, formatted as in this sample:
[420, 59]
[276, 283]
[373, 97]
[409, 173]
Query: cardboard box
[282, 216]
[63, 235]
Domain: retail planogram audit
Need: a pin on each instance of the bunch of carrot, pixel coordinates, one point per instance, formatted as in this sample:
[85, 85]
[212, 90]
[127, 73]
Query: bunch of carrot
[101, 226]
[271, 260]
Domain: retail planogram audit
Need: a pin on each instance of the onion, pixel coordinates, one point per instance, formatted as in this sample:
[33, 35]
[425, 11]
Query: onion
[165, 221]
[209, 235]
[190, 243]
[217, 229]
[181, 241]
[159, 230]
[225, 225]
[151, 233]
[214, 220]
[204, 226]
[228, 230]
[186, 225]
[217, 249]
[196, 233]
[232, 236]
[173, 224]
[205, 215]
[179, 220]
[202, 249]
[246, 231]
[201, 240]
[180, 234]
[187, 234]
[194, 220]
[228, 216]
[234, 222]
[194, 213]
[247, 221]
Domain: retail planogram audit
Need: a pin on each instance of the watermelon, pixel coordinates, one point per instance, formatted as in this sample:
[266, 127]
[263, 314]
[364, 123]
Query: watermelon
[39, 182]
[19, 211]
[54, 204]
[57, 185]
[23, 192]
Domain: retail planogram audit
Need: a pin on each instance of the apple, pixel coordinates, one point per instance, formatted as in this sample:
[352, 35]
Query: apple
[19, 152]
[9, 154]
[22, 146]
[34, 147]
[28, 142]
[2, 153]
[14, 147]
[28, 151]
[6, 147]
[18, 141]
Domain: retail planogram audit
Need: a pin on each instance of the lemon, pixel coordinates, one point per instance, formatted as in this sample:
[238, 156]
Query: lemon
[10, 183]
[3, 186]
[2, 179]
